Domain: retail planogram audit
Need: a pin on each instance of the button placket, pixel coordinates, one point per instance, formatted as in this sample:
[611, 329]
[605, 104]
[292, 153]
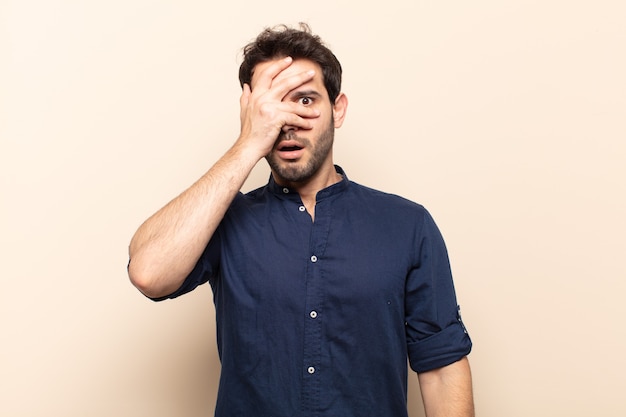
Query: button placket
[313, 375]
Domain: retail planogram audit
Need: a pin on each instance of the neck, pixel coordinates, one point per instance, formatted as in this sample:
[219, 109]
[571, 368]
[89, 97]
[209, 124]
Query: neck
[309, 188]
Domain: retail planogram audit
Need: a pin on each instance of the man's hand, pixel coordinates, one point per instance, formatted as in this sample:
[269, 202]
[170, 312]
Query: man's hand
[263, 111]
[167, 246]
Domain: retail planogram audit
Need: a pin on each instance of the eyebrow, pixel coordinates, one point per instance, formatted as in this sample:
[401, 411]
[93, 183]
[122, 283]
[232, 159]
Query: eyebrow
[305, 93]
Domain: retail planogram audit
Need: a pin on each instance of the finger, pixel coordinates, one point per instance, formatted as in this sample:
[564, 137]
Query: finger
[267, 75]
[297, 116]
[280, 88]
[304, 112]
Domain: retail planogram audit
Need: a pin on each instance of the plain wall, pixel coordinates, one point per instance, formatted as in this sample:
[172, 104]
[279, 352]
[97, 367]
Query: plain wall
[506, 119]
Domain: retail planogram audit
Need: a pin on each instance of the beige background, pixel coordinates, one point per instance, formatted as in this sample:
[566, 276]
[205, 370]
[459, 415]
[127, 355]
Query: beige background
[505, 118]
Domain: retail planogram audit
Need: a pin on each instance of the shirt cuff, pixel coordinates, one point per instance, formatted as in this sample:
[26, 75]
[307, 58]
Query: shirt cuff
[441, 349]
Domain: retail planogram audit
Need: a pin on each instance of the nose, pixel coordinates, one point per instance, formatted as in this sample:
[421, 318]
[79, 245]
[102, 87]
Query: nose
[289, 128]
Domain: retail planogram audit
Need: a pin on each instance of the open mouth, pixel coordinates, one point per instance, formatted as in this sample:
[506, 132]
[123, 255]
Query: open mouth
[289, 150]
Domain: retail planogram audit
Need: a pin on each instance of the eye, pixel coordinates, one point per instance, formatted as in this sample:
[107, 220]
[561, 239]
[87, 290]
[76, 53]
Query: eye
[305, 101]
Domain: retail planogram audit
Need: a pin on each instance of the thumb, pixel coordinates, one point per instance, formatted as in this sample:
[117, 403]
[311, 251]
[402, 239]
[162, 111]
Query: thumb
[243, 101]
[245, 95]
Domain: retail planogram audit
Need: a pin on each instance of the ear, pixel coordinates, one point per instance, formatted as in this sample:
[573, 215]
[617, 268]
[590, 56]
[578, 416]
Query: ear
[339, 109]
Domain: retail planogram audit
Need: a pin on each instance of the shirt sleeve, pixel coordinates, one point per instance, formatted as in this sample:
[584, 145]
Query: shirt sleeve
[436, 335]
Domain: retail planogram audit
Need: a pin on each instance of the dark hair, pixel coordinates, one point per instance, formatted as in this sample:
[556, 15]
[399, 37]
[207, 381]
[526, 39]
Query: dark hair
[281, 41]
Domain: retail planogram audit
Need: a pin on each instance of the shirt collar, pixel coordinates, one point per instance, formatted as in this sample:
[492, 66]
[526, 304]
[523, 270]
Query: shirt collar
[326, 192]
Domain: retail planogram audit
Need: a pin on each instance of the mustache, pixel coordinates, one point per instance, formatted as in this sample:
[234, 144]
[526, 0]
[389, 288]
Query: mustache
[291, 135]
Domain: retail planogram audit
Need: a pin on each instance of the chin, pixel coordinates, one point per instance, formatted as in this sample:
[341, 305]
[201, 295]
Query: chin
[293, 171]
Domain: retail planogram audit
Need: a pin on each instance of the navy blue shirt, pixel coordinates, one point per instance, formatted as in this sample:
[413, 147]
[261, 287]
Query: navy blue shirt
[318, 318]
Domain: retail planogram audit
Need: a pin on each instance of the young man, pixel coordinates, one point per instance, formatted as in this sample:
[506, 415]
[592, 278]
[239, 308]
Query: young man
[322, 287]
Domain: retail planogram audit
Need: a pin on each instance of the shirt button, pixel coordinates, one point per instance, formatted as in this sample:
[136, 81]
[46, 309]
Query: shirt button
[313, 258]
[313, 314]
[311, 370]
[286, 190]
[301, 208]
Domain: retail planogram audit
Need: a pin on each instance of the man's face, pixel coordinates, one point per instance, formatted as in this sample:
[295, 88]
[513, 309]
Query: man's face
[298, 154]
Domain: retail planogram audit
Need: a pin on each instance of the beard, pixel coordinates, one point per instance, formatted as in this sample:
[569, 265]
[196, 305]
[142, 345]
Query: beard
[296, 171]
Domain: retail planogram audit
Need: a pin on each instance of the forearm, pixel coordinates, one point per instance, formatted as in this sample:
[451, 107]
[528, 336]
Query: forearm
[167, 246]
[447, 391]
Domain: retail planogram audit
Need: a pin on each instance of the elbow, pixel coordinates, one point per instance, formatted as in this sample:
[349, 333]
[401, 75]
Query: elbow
[145, 281]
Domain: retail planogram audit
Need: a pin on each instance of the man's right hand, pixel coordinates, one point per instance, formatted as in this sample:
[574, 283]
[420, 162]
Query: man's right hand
[167, 246]
[263, 111]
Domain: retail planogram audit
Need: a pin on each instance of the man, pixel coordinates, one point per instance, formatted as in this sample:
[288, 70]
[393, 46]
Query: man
[322, 287]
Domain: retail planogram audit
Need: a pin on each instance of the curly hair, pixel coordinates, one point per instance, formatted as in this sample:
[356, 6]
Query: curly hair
[281, 41]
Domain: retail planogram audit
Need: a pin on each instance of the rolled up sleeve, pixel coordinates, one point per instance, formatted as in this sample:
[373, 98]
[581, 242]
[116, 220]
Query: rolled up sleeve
[436, 335]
